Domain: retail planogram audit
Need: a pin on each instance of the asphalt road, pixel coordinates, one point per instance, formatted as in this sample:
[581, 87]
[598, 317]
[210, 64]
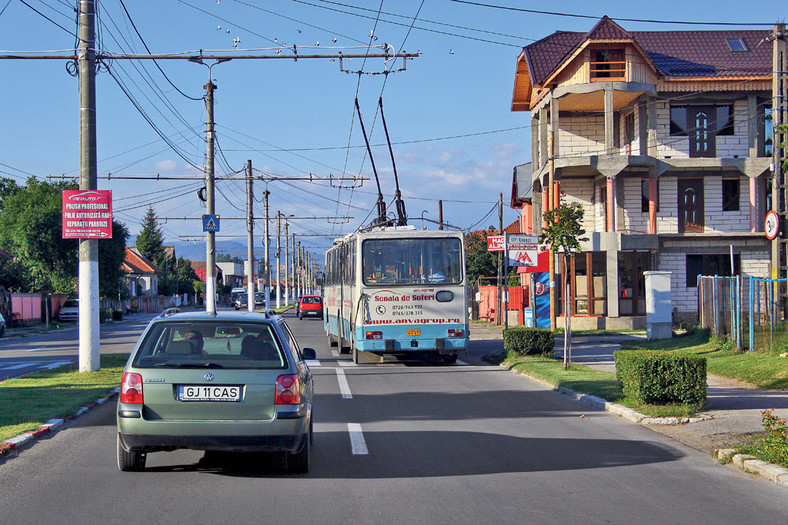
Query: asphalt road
[400, 443]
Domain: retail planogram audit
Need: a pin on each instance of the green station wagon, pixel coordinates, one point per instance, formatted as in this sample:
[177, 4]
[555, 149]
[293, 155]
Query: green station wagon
[230, 381]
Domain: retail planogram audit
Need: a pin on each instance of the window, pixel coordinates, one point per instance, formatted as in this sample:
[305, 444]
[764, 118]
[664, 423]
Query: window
[608, 64]
[411, 261]
[702, 122]
[714, 264]
[768, 133]
[725, 120]
[737, 45]
[644, 195]
[678, 120]
[730, 194]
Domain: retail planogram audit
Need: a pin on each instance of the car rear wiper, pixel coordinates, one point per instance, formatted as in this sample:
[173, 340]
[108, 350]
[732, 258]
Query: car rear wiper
[180, 364]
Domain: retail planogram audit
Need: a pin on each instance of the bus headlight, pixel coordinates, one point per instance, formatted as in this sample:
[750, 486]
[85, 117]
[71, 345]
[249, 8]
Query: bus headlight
[444, 296]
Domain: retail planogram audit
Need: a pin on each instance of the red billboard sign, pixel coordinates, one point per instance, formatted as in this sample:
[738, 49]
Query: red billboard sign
[495, 243]
[87, 214]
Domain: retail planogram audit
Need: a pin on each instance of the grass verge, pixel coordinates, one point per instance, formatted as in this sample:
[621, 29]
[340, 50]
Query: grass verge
[765, 370]
[30, 401]
[585, 380]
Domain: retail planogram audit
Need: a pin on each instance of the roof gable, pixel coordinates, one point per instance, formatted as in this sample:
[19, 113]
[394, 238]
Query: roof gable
[606, 29]
[135, 262]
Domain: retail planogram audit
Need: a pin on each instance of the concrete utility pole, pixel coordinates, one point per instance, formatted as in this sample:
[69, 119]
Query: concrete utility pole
[499, 295]
[210, 203]
[89, 336]
[249, 238]
[267, 272]
[440, 215]
[278, 275]
[300, 273]
[287, 266]
[294, 270]
[779, 187]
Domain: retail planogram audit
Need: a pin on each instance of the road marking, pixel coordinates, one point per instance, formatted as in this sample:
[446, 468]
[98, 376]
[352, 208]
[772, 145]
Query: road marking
[344, 388]
[335, 353]
[54, 365]
[461, 362]
[346, 363]
[357, 443]
[311, 363]
[17, 367]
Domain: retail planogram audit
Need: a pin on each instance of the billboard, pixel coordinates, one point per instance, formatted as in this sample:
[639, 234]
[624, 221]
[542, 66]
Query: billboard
[87, 214]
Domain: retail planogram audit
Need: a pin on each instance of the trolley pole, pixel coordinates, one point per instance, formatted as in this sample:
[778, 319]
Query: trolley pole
[287, 266]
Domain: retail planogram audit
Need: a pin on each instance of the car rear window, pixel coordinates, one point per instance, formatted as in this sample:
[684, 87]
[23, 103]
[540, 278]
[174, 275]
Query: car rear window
[311, 300]
[215, 344]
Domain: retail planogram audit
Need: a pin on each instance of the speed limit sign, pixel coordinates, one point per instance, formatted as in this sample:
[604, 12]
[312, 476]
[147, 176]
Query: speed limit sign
[771, 226]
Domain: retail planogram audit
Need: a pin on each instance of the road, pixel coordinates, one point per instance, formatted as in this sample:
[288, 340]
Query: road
[400, 443]
[22, 355]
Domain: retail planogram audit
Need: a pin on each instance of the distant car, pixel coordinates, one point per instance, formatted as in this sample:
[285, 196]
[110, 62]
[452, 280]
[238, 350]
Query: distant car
[69, 311]
[2, 325]
[229, 381]
[259, 298]
[310, 305]
[240, 301]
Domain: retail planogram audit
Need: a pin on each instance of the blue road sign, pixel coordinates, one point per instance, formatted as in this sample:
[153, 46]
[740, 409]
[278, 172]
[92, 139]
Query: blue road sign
[210, 223]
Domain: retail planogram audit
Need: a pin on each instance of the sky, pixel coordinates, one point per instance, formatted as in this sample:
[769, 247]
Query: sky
[448, 111]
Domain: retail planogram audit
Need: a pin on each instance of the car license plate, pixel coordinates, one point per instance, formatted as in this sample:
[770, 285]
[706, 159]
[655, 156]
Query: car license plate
[209, 393]
[414, 331]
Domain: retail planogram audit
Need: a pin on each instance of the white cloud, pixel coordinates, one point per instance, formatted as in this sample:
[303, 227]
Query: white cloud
[166, 166]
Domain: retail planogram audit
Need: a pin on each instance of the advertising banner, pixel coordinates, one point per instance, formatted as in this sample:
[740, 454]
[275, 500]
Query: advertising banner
[87, 214]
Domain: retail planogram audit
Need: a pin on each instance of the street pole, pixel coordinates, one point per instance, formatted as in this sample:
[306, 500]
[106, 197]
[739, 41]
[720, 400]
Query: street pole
[300, 272]
[267, 272]
[278, 276]
[287, 266]
[500, 262]
[249, 238]
[210, 203]
[89, 336]
[779, 186]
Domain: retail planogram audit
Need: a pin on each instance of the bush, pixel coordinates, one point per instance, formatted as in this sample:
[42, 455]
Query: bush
[528, 341]
[661, 377]
[105, 315]
[117, 315]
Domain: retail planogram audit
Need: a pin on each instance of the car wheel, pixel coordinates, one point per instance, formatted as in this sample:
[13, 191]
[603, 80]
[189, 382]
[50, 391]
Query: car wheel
[129, 461]
[298, 462]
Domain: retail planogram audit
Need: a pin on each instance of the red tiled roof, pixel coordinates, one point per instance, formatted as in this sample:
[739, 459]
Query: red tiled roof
[673, 53]
[513, 227]
[135, 262]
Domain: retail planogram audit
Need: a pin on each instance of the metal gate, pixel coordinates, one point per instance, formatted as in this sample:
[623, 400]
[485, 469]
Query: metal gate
[720, 306]
[767, 325]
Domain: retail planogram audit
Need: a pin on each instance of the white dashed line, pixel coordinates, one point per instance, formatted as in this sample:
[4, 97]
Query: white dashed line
[17, 367]
[346, 363]
[55, 365]
[357, 443]
[334, 353]
[344, 388]
[312, 363]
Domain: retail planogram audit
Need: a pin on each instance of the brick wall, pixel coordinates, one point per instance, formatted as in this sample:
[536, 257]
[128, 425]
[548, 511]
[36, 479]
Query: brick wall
[582, 135]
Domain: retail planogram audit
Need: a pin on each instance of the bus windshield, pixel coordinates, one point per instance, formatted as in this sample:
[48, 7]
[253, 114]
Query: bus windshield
[412, 261]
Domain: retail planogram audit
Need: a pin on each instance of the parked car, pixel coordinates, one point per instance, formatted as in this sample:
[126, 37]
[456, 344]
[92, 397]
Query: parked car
[310, 305]
[69, 311]
[240, 301]
[259, 298]
[2, 325]
[229, 381]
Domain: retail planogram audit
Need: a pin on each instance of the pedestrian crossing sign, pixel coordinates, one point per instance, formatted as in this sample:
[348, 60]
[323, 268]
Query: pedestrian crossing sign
[210, 223]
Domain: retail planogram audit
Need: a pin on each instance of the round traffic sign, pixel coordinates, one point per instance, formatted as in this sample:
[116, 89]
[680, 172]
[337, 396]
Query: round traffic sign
[771, 225]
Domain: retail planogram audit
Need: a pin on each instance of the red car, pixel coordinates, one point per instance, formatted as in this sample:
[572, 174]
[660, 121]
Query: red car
[310, 305]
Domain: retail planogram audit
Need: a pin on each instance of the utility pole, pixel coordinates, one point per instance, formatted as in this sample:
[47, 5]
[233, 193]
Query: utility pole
[287, 266]
[440, 215]
[278, 276]
[249, 238]
[498, 295]
[210, 204]
[89, 336]
[295, 270]
[779, 187]
[267, 272]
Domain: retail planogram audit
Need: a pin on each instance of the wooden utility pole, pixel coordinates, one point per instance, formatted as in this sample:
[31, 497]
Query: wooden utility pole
[499, 295]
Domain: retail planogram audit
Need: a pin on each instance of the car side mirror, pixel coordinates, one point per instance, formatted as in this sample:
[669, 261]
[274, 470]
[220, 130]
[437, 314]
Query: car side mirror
[309, 354]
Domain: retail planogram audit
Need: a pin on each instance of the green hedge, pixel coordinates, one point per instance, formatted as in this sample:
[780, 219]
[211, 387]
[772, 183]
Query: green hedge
[528, 341]
[661, 377]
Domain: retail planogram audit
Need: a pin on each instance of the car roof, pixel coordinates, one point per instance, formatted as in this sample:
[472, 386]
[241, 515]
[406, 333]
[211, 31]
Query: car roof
[223, 315]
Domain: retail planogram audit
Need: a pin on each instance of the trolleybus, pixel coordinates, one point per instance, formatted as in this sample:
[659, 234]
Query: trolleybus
[397, 290]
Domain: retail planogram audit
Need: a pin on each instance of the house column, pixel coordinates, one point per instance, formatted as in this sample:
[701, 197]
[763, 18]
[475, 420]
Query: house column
[652, 204]
[542, 136]
[611, 204]
[554, 112]
[609, 124]
[612, 283]
[753, 204]
[652, 126]
[643, 119]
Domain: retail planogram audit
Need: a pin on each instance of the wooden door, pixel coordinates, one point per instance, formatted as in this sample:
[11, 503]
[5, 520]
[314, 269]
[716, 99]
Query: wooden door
[690, 197]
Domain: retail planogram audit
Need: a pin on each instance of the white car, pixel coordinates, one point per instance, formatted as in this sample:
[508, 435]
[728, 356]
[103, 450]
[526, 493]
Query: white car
[69, 311]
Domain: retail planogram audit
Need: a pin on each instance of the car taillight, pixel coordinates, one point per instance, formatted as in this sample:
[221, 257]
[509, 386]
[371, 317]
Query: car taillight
[455, 332]
[131, 388]
[288, 391]
[374, 335]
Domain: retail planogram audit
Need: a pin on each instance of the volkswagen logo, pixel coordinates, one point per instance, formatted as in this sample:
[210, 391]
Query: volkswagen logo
[208, 376]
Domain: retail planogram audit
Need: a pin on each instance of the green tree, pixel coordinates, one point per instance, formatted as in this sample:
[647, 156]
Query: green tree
[111, 254]
[478, 261]
[150, 241]
[563, 234]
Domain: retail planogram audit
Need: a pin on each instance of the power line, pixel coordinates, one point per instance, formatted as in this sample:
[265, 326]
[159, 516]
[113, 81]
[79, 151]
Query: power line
[47, 18]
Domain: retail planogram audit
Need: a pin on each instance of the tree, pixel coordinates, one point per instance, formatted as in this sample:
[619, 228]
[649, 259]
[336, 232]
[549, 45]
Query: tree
[150, 241]
[31, 232]
[563, 234]
[478, 261]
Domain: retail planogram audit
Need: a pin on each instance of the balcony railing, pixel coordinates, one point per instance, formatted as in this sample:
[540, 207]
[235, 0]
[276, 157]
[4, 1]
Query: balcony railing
[607, 71]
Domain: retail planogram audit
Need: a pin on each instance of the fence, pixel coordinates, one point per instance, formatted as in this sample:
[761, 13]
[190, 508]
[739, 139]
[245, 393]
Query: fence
[720, 306]
[767, 324]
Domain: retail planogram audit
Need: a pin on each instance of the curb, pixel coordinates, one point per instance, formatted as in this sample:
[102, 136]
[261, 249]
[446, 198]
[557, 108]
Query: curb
[753, 465]
[50, 426]
[620, 410]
